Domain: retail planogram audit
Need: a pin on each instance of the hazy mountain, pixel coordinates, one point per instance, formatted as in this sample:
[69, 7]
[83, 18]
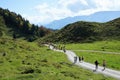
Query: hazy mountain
[103, 16]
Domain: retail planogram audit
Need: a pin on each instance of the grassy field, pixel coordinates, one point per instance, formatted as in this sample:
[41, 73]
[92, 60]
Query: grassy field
[21, 60]
[112, 60]
[112, 46]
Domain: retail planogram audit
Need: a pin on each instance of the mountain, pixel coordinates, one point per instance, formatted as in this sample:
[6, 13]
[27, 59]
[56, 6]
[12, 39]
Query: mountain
[82, 31]
[102, 16]
[14, 25]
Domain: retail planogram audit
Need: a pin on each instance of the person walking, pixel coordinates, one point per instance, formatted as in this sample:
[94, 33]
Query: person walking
[75, 59]
[96, 65]
[82, 59]
[79, 59]
[64, 48]
[104, 65]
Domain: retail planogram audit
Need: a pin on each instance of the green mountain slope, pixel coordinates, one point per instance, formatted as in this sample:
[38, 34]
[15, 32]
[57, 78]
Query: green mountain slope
[2, 26]
[113, 29]
[19, 27]
[86, 32]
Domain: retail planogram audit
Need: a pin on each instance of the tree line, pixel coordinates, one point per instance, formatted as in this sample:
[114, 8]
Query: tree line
[20, 27]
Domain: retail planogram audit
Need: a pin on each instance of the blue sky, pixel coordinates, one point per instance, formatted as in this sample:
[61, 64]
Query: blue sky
[46, 11]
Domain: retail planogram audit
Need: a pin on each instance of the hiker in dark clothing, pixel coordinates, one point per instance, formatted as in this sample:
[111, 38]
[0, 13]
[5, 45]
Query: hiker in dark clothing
[104, 65]
[96, 64]
[82, 58]
[64, 48]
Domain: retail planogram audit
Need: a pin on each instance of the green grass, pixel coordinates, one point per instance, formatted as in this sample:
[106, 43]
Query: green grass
[112, 60]
[28, 61]
[113, 46]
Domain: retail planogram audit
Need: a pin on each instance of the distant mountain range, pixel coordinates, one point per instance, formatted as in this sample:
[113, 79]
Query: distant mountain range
[102, 16]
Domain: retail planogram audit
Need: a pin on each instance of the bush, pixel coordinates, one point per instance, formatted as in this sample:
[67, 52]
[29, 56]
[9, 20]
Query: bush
[27, 71]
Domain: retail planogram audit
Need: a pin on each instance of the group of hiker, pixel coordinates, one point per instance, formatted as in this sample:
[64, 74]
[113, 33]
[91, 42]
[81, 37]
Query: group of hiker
[76, 58]
[81, 59]
[97, 63]
[59, 47]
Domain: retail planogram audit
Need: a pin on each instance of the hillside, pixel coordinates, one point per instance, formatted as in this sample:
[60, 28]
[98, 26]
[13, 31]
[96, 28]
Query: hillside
[14, 24]
[2, 26]
[22, 60]
[96, 17]
[86, 32]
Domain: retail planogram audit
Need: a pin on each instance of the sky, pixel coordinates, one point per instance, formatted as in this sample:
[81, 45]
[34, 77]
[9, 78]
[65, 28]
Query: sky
[45, 11]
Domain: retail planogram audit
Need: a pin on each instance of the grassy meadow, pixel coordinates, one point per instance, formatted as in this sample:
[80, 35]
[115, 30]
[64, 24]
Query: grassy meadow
[22, 60]
[112, 46]
[112, 60]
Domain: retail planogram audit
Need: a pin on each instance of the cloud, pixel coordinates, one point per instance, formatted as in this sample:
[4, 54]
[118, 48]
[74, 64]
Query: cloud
[52, 12]
[37, 19]
[107, 4]
[103, 4]
[84, 2]
[59, 10]
[47, 12]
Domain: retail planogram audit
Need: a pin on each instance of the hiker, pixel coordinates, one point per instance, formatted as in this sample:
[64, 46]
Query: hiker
[82, 58]
[96, 64]
[75, 59]
[104, 65]
[64, 48]
[79, 59]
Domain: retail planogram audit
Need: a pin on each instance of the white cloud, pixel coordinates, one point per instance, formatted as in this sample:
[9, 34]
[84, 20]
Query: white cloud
[84, 2]
[58, 11]
[37, 19]
[53, 12]
[103, 4]
[64, 3]
[107, 4]
[47, 12]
